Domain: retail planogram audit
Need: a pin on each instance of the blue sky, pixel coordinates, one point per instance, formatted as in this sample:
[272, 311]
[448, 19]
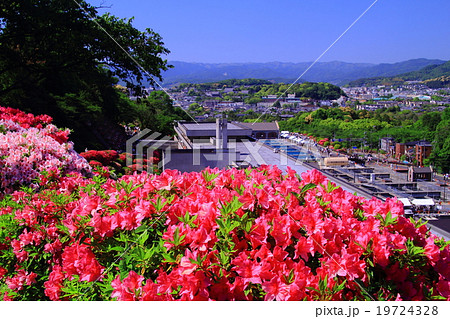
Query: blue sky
[293, 31]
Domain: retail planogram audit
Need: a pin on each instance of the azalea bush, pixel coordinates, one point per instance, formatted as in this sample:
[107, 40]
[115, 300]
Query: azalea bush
[253, 234]
[30, 145]
[105, 158]
[119, 164]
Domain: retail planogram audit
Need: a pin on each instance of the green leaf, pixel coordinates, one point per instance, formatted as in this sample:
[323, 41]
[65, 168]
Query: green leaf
[323, 284]
[117, 248]
[209, 177]
[330, 187]
[322, 202]
[438, 297]
[413, 250]
[220, 223]
[290, 278]
[248, 226]
[307, 187]
[231, 207]
[339, 287]
[388, 220]
[418, 223]
[441, 243]
[168, 258]
[158, 204]
[143, 237]
[188, 220]
[314, 289]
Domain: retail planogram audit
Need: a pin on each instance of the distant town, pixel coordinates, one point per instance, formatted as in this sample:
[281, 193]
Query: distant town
[234, 123]
[207, 103]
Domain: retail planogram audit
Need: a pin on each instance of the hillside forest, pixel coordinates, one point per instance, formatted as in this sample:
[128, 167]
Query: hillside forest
[364, 129]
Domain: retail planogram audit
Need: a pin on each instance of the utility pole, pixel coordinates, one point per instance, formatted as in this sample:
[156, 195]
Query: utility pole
[445, 185]
[365, 140]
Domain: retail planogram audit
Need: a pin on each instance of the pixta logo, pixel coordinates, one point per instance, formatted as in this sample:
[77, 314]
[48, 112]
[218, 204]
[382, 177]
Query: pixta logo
[142, 147]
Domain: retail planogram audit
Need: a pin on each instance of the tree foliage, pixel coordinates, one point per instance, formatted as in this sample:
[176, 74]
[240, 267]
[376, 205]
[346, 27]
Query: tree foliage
[57, 59]
[223, 84]
[434, 76]
[315, 91]
[261, 88]
[161, 113]
[352, 126]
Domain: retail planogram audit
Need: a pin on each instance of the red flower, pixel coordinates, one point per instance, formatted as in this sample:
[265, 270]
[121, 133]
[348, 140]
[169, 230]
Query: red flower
[94, 163]
[80, 260]
[247, 269]
[150, 293]
[276, 290]
[186, 265]
[20, 279]
[7, 297]
[432, 251]
[302, 248]
[129, 289]
[54, 284]
[444, 288]
[281, 231]
[3, 272]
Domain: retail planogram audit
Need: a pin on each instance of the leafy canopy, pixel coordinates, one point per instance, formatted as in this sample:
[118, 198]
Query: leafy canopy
[55, 58]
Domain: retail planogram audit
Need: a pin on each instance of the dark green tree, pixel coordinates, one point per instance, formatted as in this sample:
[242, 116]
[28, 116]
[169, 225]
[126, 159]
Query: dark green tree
[160, 113]
[431, 120]
[56, 58]
[440, 156]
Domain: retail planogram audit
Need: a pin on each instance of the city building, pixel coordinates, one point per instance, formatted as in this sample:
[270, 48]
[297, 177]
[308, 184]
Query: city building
[387, 144]
[423, 151]
[401, 149]
[203, 135]
[262, 130]
[420, 174]
[418, 150]
[202, 145]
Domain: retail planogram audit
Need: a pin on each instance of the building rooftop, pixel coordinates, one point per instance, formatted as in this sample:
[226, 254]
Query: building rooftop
[207, 126]
[261, 126]
[206, 130]
[424, 143]
[422, 170]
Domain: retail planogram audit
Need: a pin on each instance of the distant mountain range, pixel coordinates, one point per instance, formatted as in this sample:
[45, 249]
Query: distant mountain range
[437, 75]
[339, 73]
